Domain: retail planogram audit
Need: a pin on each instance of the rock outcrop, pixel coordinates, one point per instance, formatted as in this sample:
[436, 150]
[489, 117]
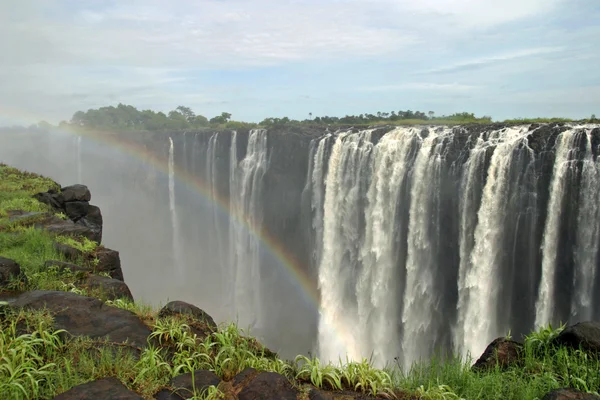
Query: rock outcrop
[101, 389]
[182, 386]
[569, 394]
[502, 352]
[73, 201]
[9, 270]
[583, 334]
[87, 316]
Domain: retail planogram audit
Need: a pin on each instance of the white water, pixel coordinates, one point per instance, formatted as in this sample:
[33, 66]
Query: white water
[588, 223]
[176, 239]
[544, 306]
[419, 298]
[378, 285]
[338, 333]
[478, 292]
[246, 193]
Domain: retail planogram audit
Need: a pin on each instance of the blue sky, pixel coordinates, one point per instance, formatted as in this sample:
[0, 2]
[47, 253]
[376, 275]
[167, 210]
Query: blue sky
[263, 58]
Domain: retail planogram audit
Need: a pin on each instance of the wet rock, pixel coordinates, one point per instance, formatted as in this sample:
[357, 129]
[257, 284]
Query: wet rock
[69, 228]
[48, 198]
[93, 221]
[73, 193]
[111, 288]
[9, 269]
[569, 394]
[110, 262]
[183, 308]
[76, 210]
[61, 265]
[182, 386]
[583, 334]
[268, 386]
[69, 252]
[502, 352]
[101, 389]
[87, 316]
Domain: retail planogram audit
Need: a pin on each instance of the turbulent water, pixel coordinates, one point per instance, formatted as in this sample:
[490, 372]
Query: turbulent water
[415, 239]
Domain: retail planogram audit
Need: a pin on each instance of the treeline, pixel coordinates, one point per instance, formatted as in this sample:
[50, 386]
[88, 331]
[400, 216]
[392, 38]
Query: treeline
[126, 117]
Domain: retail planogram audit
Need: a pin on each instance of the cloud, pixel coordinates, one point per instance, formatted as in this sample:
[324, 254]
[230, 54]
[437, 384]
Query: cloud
[492, 60]
[420, 86]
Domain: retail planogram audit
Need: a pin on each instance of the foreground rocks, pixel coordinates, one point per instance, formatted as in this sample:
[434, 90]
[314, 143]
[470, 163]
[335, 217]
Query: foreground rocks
[87, 316]
[9, 270]
[502, 352]
[182, 386]
[583, 334]
[101, 389]
[73, 201]
[569, 394]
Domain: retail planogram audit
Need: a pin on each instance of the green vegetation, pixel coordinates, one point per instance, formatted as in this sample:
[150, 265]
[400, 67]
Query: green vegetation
[37, 362]
[124, 118]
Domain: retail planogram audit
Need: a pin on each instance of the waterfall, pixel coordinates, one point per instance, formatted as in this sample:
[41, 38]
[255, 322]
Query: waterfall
[246, 183]
[212, 180]
[562, 164]
[176, 239]
[588, 235]
[379, 284]
[480, 270]
[339, 335]
[420, 297]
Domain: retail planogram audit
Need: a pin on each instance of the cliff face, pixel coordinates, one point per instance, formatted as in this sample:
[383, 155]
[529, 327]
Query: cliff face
[388, 214]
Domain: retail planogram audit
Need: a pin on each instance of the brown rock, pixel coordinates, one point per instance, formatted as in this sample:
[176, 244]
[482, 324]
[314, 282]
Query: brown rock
[569, 394]
[9, 269]
[87, 316]
[268, 386]
[183, 386]
[101, 389]
[111, 288]
[502, 352]
[110, 262]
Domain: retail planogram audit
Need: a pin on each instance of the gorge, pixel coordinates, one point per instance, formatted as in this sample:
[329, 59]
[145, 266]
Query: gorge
[390, 242]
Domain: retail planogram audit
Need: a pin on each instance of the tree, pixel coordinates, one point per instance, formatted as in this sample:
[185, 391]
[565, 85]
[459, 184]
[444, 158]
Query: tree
[186, 112]
[221, 119]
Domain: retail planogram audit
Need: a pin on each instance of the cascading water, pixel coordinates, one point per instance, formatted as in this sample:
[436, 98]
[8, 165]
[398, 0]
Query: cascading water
[176, 239]
[417, 238]
[246, 194]
[478, 290]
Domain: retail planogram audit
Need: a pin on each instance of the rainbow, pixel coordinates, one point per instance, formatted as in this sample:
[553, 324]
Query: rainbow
[198, 185]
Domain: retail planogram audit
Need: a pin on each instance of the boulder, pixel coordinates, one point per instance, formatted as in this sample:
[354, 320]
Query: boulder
[569, 394]
[182, 386]
[73, 193]
[111, 288]
[9, 269]
[200, 323]
[87, 316]
[48, 198]
[268, 386]
[183, 308]
[110, 262]
[76, 210]
[583, 334]
[502, 352]
[93, 221]
[69, 228]
[69, 252]
[101, 389]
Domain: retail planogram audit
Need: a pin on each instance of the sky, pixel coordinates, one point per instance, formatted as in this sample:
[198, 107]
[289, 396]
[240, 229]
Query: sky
[275, 58]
